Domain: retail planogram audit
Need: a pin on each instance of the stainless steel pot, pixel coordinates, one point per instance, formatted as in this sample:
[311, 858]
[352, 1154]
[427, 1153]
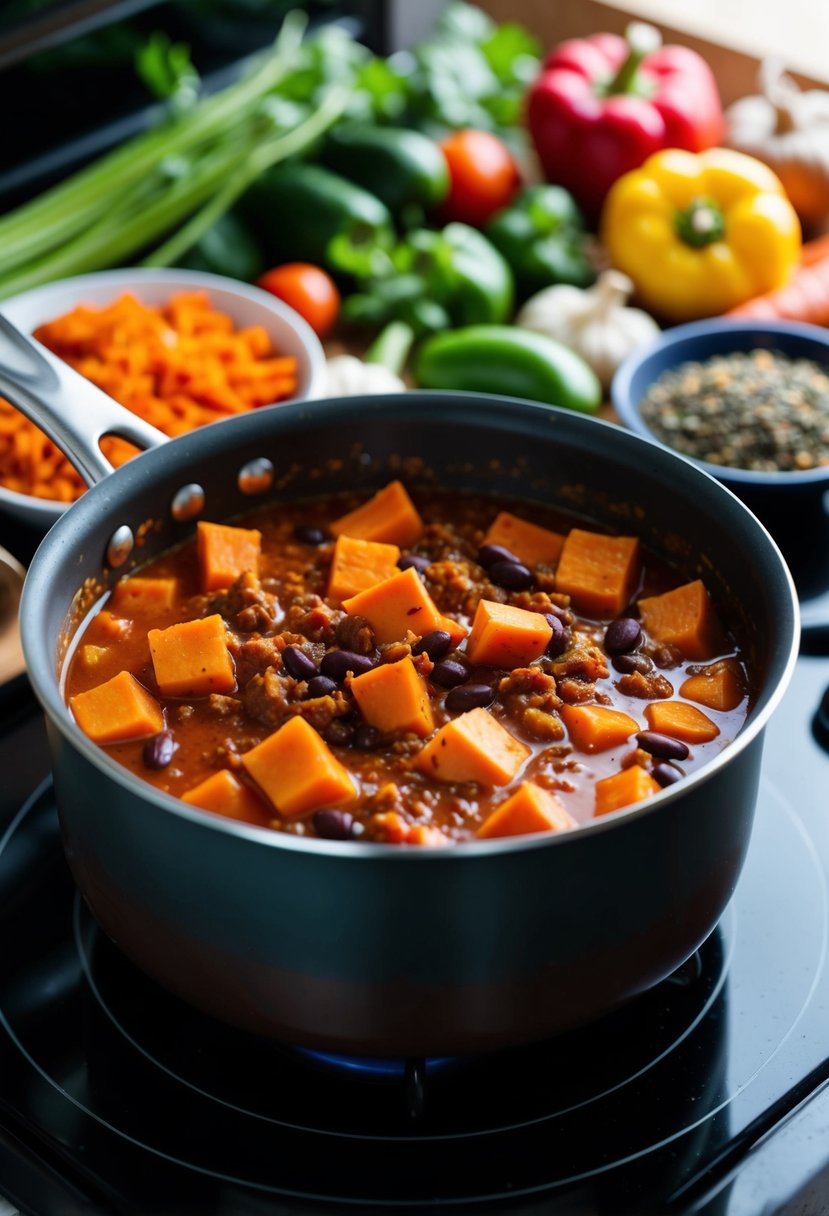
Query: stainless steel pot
[380, 949]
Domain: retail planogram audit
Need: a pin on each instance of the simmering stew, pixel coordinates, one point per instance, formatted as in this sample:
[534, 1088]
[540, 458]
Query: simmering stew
[418, 670]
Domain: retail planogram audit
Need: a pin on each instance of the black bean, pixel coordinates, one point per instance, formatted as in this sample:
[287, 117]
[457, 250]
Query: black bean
[321, 686]
[366, 737]
[414, 561]
[622, 635]
[510, 575]
[448, 673]
[298, 664]
[628, 663]
[489, 554]
[469, 696]
[307, 534]
[560, 638]
[336, 664]
[333, 825]
[159, 751]
[666, 774]
[663, 746]
[436, 644]
[339, 733]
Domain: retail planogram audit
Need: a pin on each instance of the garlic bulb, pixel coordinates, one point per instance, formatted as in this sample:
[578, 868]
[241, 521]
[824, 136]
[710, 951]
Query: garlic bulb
[788, 130]
[596, 323]
[349, 376]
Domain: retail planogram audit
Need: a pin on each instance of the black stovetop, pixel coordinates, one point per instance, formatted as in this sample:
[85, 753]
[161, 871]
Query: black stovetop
[708, 1094]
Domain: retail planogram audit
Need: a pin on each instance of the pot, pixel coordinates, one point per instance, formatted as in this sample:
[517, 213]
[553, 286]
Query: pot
[378, 949]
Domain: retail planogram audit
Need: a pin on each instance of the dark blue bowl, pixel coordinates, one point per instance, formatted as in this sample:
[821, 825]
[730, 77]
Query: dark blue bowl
[791, 505]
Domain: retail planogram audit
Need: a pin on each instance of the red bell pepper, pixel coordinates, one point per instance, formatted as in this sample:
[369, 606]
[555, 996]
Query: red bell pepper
[601, 105]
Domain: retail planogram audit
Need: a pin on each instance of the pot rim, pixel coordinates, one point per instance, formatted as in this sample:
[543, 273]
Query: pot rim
[85, 510]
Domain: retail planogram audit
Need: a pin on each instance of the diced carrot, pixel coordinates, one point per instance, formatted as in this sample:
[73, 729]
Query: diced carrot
[598, 572]
[389, 516]
[596, 728]
[134, 596]
[681, 721]
[226, 795]
[624, 788]
[396, 606]
[503, 636]
[117, 710]
[225, 552]
[531, 544]
[297, 771]
[685, 618]
[191, 659]
[473, 747]
[529, 809]
[394, 697]
[719, 686]
[358, 564]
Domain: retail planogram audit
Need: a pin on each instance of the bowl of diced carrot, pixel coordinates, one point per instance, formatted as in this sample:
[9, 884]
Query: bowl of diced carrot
[179, 348]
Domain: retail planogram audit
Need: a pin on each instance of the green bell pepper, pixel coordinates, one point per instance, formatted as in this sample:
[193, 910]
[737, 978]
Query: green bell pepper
[542, 236]
[514, 362]
[435, 280]
[404, 169]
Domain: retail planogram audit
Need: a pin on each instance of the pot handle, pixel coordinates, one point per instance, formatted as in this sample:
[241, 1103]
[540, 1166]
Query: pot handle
[70, 409]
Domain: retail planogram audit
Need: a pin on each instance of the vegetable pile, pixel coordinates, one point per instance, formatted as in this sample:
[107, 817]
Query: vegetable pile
[396, 203]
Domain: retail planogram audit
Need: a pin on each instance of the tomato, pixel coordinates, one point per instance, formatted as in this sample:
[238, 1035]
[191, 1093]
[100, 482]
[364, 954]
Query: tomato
[483, 176]
[308, 290]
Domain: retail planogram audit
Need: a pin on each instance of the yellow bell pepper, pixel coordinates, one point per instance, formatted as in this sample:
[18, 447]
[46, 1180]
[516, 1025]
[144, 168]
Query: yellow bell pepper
[700, 233]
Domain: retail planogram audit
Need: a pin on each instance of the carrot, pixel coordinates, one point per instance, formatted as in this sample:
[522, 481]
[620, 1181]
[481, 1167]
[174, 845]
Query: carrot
[178, 366]
[804, 298]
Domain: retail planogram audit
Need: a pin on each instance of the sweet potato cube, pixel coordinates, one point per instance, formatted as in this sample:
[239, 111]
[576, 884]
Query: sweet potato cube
[359, 564]
[719, 686]
[425, 834]
[117, 710]
[394, 697]
[457, 632]
[93, 656]
[225, 552]
[597, 728]
[389, 516]
[630, 785]
[681, 721]
[529, 809]
[395, 606]
[297, 772]
[503, 636]
[598, 572]
[685, 618]
[135, 596]
[473, 747]
[191, 659]
[226, 795]
[531, 544]
[109, 627]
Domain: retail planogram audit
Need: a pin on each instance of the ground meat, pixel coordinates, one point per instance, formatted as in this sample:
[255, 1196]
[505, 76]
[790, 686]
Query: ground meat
[256, 655]
[651, 687]
[223, 707]
[246, 606]
[268, 697]
[576, 692]
[321, 712]
[440, 542]
[455, 586]
[663, 654]
[529, 696]
[311, 617]
[356, 634]
[543, 602]
[582, 661]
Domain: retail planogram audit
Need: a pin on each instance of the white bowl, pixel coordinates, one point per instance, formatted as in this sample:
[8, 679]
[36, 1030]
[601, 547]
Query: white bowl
[291, 335]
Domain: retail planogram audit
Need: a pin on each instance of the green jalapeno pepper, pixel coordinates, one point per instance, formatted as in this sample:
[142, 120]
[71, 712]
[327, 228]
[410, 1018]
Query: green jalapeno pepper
[514, 362]
[404, 169]
[542, 236]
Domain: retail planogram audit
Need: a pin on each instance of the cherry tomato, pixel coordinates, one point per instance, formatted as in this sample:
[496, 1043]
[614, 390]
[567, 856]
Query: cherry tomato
[308, 289]
[483, 176]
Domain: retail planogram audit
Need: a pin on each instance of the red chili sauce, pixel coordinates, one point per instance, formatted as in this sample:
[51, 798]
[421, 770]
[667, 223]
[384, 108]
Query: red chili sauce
[411, 670]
